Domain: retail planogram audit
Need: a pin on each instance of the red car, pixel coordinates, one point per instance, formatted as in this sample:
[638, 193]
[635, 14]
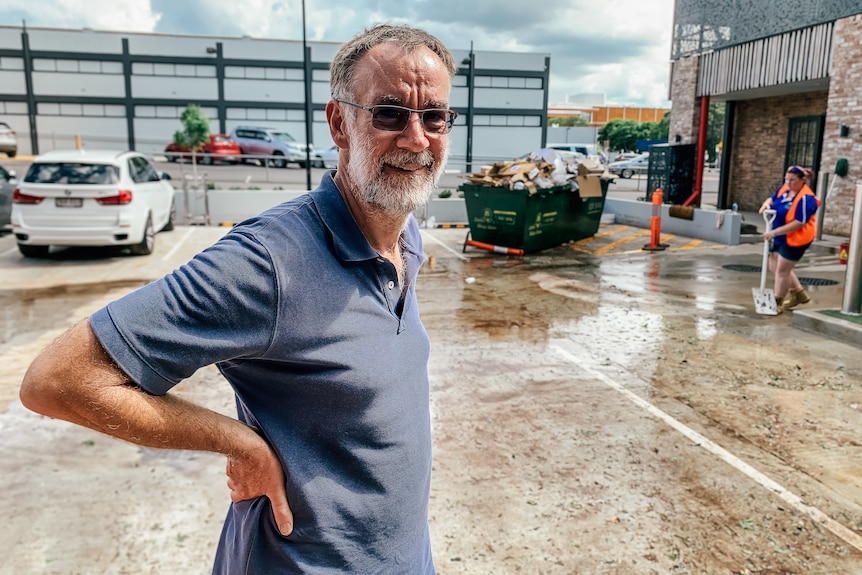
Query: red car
[220, 148]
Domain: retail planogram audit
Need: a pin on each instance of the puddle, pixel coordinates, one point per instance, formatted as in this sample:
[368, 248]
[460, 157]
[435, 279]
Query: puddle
[36, 310]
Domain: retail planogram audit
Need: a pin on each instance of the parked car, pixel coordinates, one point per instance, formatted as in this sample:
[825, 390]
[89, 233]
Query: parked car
[627, 168]
[257, 141]
[220, 148]
[91, 198]
[8, 140]
[7, 188]
[623, 156]
[327, 158]
[588, 150]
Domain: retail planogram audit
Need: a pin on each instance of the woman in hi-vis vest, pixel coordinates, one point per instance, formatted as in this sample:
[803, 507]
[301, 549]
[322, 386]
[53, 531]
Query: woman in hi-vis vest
[793, 230]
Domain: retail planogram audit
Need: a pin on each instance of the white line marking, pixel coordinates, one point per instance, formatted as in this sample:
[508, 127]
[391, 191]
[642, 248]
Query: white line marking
[839, 530]
[432, 238]
[177, 245]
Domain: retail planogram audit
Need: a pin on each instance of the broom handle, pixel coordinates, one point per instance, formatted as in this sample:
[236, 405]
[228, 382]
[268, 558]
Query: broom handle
[768, 217]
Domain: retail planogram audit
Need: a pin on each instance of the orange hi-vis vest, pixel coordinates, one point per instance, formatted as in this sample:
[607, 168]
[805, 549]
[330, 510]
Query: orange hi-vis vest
[806, 234]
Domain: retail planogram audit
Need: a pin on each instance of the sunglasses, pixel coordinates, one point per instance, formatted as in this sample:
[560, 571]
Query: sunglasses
[390, 118]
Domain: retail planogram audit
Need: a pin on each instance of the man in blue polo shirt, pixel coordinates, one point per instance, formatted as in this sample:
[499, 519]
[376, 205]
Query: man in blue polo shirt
[309, 311]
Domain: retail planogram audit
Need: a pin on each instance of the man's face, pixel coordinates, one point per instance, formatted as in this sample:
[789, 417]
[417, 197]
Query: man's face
[396, 171]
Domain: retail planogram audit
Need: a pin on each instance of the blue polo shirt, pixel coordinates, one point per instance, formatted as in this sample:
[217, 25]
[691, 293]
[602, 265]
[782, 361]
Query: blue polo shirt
[805, 210]
[306, 322]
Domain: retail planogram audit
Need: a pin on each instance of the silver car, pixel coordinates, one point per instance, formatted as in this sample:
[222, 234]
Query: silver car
[281, 147]
[8, 140]
[7, 188]
[628, 168]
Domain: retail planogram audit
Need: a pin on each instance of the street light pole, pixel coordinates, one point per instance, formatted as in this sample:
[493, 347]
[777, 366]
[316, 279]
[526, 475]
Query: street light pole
[471, 70]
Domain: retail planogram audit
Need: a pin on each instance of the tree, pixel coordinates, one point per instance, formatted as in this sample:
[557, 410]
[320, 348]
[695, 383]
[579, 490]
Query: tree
[624, 134]
[568, 121]
[195, 132]
[714, 130]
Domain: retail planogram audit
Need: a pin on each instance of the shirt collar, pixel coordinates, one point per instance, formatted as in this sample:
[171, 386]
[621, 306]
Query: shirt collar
[349, 242]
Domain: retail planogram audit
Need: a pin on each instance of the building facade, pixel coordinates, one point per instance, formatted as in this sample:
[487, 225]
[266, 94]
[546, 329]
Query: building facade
[789, 74]
[127, 90]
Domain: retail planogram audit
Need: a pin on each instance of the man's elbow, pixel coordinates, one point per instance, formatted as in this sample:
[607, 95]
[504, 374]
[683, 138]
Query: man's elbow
[38, 393]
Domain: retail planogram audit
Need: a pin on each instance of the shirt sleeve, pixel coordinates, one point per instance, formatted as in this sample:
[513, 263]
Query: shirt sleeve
[805, 209]
[219, 306]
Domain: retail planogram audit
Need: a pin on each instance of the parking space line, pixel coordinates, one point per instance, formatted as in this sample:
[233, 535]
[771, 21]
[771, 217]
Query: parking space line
[631, 237]
[178, 244]
[839, 530]
[427, 236]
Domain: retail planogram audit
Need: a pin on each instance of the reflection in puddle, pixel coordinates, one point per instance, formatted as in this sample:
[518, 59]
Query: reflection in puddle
[36, 310]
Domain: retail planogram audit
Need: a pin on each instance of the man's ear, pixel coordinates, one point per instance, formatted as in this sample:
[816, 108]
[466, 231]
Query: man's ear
[337, 129]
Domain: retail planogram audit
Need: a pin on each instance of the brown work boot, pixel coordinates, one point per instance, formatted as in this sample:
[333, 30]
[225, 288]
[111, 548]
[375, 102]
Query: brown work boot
[795, 297]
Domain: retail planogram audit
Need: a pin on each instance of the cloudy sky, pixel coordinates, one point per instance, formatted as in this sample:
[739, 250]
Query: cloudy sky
[620, 48]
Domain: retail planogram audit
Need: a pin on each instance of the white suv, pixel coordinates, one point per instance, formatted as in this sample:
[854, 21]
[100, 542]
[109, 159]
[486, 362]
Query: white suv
[283, 147]
[91, 198]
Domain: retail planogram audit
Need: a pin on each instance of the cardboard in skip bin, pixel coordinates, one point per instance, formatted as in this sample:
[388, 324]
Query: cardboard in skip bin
[589, 179]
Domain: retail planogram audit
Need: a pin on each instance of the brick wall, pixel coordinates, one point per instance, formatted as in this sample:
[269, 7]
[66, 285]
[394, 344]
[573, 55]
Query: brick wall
[685, 117]
[844, 109]
[759, 143]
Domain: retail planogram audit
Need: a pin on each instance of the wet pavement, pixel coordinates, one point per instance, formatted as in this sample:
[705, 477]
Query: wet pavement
[596, 409]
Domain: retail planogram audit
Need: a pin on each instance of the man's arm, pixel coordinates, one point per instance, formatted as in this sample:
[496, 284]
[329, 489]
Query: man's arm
[75, 379]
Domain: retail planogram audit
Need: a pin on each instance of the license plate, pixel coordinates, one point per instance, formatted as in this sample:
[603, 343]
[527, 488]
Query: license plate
[69, 202]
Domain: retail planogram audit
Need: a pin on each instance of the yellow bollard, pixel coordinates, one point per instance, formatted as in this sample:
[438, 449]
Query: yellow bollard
[77, 142]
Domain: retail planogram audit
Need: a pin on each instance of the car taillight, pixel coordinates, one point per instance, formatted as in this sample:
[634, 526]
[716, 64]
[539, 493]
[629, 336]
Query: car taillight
[19, 198]
[122, 198]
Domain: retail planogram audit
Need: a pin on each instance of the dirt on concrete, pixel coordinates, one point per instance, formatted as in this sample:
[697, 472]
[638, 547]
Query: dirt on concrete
[615, 415]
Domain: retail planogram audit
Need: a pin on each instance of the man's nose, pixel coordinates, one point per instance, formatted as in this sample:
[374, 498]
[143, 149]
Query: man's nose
[414, 137]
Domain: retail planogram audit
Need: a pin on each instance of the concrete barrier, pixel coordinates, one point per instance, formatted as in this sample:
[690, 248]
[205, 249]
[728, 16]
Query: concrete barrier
[712, 225]
[227, 207]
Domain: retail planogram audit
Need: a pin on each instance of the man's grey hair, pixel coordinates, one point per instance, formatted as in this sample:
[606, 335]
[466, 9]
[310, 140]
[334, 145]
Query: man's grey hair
[342, 70]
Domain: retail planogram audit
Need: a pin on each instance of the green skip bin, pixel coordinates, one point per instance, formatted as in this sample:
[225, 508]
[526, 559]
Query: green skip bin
[547, 218]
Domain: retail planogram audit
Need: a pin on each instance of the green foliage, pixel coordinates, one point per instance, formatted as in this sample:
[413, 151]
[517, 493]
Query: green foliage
[445, 194]
[568, 121]
[196, 127]
[624, 134]
[714, 129]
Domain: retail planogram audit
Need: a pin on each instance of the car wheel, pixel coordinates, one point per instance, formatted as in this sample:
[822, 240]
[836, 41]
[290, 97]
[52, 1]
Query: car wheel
[172, 158]
[11, 153]
[34, 251]
[278, 162]
[301, 164]
[173, 213]
[206, 160]
[626, 173]
[318, 163]
[148, 242]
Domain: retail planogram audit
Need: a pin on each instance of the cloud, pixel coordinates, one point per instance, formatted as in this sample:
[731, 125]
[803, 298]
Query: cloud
[134, 16]
[620, 48]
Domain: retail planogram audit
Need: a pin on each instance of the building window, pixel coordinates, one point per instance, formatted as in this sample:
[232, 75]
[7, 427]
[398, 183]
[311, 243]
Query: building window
[804, 135]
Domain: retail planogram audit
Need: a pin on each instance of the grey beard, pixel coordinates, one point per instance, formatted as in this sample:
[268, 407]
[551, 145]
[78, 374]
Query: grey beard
[396, 196]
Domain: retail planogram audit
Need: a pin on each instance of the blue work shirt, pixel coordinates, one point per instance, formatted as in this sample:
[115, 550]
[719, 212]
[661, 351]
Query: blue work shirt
[805, 210]
[306, 322]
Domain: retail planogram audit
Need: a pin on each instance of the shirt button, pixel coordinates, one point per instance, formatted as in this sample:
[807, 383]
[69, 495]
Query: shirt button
[381, 260]
[391, 284]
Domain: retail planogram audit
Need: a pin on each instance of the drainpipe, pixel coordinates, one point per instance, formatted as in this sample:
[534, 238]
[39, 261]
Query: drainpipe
[701, 148]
